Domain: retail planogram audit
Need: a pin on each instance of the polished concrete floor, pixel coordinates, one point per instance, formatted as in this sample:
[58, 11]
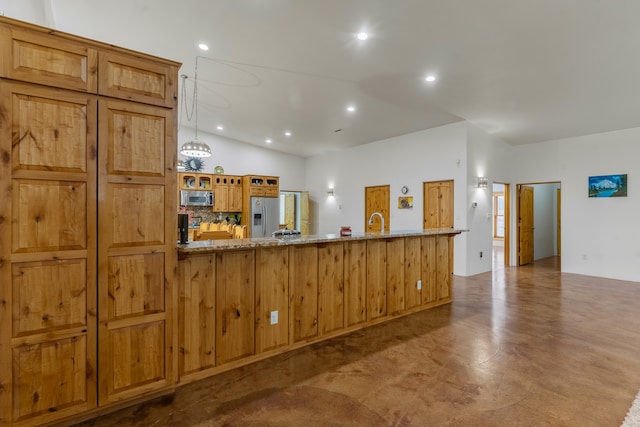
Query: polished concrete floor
[525, 346]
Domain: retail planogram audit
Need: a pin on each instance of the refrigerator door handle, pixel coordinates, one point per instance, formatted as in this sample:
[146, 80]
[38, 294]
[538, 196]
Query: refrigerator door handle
[265, 222]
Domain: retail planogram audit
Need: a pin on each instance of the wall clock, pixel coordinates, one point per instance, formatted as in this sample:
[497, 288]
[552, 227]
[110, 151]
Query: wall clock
[404, 189]
[193, 164]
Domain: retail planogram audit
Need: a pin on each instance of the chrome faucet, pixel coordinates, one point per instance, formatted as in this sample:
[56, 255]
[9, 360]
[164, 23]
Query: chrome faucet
[381, 221]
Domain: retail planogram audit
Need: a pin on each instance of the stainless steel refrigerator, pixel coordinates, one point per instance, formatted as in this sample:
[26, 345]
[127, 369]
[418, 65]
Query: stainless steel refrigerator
[264, 217]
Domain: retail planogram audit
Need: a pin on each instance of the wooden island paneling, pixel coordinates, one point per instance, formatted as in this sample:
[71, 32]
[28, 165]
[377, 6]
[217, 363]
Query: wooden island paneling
[317, 286]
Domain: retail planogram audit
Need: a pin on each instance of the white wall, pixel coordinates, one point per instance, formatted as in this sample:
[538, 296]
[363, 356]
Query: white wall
[490, 157]
[434, 154]
[38, 12]
[599, 236]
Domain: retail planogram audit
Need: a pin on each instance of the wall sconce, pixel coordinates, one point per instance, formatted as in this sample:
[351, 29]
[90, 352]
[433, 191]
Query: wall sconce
[483, 182]
[330, 192]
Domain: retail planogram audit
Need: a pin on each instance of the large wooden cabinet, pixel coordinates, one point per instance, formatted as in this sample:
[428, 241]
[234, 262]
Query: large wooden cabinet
[227, 193]
[87, 258]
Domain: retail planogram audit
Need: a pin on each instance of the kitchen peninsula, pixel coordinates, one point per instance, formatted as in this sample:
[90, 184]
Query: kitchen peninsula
[243, 300]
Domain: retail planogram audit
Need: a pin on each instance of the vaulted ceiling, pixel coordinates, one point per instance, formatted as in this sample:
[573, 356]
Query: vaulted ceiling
[523, 70]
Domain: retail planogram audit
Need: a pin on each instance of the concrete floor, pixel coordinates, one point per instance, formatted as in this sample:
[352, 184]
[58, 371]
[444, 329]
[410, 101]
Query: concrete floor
[524, 346]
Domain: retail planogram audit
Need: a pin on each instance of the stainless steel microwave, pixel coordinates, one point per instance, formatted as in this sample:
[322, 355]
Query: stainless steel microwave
[196, 198]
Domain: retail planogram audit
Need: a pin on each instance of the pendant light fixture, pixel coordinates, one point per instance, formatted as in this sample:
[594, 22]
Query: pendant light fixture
[195, 147]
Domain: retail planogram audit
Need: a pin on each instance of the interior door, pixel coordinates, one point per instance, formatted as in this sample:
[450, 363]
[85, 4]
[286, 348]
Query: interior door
[376, 199]
[525, 224]
[290, 210]
[305, 226]
[558, 228]
[438, 204]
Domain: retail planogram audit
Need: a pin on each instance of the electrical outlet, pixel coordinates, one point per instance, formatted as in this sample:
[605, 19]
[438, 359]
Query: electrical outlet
[274, 317]
[419, 284]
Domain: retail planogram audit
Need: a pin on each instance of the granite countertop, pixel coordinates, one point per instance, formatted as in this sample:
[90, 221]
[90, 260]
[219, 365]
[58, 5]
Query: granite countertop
[203, 246]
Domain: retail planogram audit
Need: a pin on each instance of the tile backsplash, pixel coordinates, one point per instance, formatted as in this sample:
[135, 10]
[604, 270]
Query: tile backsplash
[199, 214]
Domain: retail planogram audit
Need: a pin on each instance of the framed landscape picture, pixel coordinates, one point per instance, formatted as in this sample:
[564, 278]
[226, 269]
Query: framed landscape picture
[608, 186]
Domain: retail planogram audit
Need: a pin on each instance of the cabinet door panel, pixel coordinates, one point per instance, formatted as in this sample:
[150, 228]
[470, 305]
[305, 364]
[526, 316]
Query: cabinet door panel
[136, 285]
[137, 79]
[49, 215]
[412, 272]
[139, 226]
[136, 250]
[48, 60]
[395, 275]
[49, 295]
[52, 129]
[303, 280]
[49, 377]
[355, 282]
[330, 287]
[196, 316]
[272, 294]
[235, 304]
[376, 279]
[136, 359]
[429, 272]
[135, 138]
[443, 271]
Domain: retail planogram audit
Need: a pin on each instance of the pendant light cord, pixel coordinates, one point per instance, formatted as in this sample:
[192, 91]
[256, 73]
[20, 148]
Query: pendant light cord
[194, 100]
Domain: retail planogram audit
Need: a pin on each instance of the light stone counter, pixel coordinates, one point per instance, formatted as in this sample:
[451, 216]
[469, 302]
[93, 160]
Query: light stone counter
[204, 246]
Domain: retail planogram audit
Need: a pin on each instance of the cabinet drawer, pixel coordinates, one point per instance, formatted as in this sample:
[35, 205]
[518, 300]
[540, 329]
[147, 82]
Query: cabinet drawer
[47, 59]
[137, 79]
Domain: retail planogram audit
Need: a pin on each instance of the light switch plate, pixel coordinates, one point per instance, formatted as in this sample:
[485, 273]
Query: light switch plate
[274, 317]
[419, 284]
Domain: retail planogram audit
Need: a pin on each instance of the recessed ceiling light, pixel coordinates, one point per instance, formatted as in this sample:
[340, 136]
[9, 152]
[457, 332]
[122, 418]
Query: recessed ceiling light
[287, 133]
[362, 36]
[203, 46]
[219, 127]
[430, 78]
[268, 141]
[351, 108]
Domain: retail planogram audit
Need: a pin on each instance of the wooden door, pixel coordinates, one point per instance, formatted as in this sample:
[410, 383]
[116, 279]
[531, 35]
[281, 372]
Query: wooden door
[303, 277]
[355, 282]
[438, 204]
[305, 224]
[272, 294]
[558, 216]
[136, 249]
[289, 210]
[235, 304]
[47, 253]
[525, 224]
[376, 199]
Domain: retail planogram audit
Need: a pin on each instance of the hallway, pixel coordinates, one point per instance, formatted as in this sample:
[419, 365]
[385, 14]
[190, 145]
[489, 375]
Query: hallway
[527, 346]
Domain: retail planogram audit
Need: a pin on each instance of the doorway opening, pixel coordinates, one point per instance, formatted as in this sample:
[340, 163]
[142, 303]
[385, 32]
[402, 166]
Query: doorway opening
[501, 225]
[538, 209]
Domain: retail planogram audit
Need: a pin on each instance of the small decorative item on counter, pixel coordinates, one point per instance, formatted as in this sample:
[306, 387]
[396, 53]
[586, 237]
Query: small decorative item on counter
[345, 231]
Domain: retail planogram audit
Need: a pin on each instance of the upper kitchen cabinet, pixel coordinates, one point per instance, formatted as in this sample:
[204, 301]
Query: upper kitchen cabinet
[137, 79]
[31, 55]
[228, 193]
[87, 254]
[264, 186]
